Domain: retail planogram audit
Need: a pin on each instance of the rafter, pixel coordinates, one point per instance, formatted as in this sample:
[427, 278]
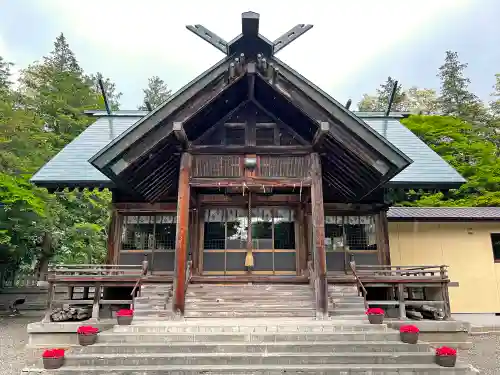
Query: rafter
[209, 37]
[290, 36]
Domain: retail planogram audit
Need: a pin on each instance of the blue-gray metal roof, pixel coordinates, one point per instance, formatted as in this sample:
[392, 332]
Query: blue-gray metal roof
[71, 167]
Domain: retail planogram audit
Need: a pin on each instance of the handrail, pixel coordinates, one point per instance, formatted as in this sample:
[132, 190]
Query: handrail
[352, 264]
[145, 266]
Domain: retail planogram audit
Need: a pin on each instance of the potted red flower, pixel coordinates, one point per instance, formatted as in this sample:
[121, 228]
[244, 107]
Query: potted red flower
[446, 357]
[53, 358]
[409, 334]
[375, 315]
[125, 317]
[87, 335]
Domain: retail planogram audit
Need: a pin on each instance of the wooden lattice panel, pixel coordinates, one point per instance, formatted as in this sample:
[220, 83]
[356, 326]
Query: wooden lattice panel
[284, 166]
[217, 166]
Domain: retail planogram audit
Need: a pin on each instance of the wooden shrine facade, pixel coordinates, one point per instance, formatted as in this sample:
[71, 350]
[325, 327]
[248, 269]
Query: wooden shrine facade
[250, 172]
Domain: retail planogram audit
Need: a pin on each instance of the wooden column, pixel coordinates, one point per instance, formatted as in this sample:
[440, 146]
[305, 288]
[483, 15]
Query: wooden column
[382, 228]
[114, 235]
[181, 241]
[318, 223]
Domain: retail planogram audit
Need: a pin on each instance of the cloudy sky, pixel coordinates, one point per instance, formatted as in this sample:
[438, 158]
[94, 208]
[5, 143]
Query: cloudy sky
[352, 48]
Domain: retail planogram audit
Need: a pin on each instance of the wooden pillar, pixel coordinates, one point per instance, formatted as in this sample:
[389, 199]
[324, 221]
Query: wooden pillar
[114, 237]
[382, 228]
[318, 223]
[181, 241]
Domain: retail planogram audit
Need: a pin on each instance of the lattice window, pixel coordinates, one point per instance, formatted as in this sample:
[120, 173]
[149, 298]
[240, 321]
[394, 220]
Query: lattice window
[281, 166]
[225, 228]
[149, 232]
[217, 166]
[350, 233]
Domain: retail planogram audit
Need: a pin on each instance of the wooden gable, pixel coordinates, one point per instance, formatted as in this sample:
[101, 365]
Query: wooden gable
[250, 103]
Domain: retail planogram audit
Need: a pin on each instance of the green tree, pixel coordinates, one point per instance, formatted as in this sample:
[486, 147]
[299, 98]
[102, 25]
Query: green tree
[109, 88]
[156, 93]
[455, 98]
[475, 158]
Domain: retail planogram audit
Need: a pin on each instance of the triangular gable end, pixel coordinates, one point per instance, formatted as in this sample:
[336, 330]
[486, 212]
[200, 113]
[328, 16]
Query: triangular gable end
[356, 160]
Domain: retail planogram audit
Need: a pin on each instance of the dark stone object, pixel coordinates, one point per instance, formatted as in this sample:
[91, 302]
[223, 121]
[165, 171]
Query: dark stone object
[85, 340]
[52, 363]
[124, 320]
[409, 337]
[446, 360]
[376, 319]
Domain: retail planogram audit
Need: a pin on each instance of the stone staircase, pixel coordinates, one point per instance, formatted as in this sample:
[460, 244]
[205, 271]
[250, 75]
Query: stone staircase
[249, 300]
[155, 302]
[253, 329]
[345, 302]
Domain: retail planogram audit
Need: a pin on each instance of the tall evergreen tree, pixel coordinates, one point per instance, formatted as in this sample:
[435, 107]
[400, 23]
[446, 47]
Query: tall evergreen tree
[5, 74]
[455, 98]
[156, 92]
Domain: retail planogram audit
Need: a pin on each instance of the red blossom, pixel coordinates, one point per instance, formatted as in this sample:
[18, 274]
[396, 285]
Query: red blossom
[53, 353]
[409, 329]
[375, 311]
[87, 330]
[125, 312]
[445, 351]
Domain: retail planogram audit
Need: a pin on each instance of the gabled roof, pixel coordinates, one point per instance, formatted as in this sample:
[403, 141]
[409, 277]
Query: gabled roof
[444, 214]
[71, 168]
[356, 159]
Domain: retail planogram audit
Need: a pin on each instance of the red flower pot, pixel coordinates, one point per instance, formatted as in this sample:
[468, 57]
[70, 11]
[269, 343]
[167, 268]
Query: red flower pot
[375, 315]
[53, 359]
[446, 357]
[87, 335]
[409, 334]
[124, 317]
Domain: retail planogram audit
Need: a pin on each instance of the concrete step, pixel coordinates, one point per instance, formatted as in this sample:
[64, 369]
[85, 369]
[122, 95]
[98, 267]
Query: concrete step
[250, 313]
[240, 298]
[331, 369]
[210, 359]
[248, 305]
[245, 347]
[153, 312]
[250, 325]
[349, 311]
[353, 337]
[348, 305]
[150, 299]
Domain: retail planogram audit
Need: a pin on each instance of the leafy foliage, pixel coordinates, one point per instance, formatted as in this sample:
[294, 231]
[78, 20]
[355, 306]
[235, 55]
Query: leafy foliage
[467, 134]
[36, 121]
[156, 93]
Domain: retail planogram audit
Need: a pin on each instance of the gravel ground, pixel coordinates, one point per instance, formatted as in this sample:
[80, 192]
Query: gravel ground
[13, 338]
[484, 354]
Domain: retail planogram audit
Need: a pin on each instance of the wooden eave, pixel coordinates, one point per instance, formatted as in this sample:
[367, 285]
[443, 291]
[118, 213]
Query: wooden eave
[155, 119]
[146, 159]
[337, 113]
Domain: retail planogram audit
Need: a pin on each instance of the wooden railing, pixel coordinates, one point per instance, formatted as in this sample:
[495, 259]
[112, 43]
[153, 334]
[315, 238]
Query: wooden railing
[401, 277]
[361, 287]
[138, 284]
[403, 272]
[88, 276]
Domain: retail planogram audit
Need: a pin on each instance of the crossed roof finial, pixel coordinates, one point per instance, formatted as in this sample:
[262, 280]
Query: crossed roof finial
[250, 42]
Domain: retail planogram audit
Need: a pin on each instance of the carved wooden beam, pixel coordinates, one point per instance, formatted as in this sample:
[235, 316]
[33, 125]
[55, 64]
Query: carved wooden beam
[321, 133]
[180, 134]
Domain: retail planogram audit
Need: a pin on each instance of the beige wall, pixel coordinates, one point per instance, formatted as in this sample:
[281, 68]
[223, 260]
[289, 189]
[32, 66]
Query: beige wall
[464, 247]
